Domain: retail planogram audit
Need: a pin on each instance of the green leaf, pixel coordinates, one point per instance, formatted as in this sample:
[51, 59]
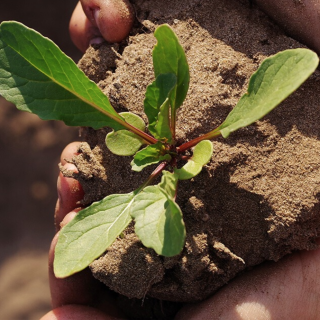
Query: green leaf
[276, 78]
[156, 106]
[134, 120]
[37, 77]
[90, 233]
[150, 155]
[124, 142]
[169, 57]
[169, 183]
[202, 154]
[158, 219]
[162, 126]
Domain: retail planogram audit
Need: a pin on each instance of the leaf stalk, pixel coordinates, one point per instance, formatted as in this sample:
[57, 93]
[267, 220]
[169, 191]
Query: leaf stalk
[208, 136]
[147, 138]
[153, 176]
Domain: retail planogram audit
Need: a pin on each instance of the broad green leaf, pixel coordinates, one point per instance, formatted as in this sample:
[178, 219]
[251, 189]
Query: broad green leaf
[169, 57]
[156, 105]
[124, 142]
[169, 183]
[150, 155]
[90, 233]
[37, 77]
[158, 220]
[202, 154]
[277, 77]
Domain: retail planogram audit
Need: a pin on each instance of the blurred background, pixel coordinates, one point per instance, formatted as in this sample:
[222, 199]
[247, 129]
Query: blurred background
[29, 154]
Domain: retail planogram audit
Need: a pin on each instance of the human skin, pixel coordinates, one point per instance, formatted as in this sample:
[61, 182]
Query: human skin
[94, 21]
[288, 289]
[299, 18]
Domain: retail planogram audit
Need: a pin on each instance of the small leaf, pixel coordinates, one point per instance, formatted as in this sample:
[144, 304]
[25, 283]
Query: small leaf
[37, 77]
[202, 154]
[158, 220]
[156, 106]
[124, 142]
[150, 155]
[169, 57]
[134, 120]
[276, 78]
[90, 233]
[162, 126]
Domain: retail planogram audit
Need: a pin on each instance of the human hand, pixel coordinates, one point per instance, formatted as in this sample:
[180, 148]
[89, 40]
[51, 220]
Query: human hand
[299, 18]
[80, 296]
[288, 289]
[95, 20]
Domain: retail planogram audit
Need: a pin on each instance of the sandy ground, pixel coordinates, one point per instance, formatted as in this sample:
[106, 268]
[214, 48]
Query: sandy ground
[30, 151]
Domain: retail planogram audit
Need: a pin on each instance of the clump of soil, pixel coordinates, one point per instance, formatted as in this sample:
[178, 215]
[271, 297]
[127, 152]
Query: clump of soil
[257, 199]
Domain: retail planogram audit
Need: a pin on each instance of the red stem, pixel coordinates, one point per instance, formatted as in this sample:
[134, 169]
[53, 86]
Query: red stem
[149, 139]
[208, 136]
[153, 175]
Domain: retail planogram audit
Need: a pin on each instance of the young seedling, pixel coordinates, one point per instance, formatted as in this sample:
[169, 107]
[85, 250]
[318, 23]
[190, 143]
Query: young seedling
[37, 77]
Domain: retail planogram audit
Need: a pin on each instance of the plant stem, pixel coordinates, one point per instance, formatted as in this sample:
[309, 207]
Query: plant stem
[173, 124]
[116, 117]
[147, 138]
[208, 136]
[153, 175]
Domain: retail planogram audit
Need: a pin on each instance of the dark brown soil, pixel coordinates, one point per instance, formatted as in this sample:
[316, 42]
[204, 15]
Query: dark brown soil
[258, 198]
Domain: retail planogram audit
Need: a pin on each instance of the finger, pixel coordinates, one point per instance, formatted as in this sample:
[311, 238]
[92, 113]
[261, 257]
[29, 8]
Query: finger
[79, 289]
[69, 152]
[114, 18]
[82, 31]
[69, 190]
[76, 289]
[70, 193]
[109, 19]
[301, 19]
[76, 312]
[288, 289]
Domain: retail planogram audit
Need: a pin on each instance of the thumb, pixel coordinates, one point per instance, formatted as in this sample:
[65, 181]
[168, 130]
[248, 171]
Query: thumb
[95, 20]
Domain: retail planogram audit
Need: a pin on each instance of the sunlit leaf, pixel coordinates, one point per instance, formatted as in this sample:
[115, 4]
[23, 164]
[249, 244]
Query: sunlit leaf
[150, 155]
[277, 77]
[90, 233]
[158, 219]
[169, 57]
[202, 154]
[37, 77]
[124, 142]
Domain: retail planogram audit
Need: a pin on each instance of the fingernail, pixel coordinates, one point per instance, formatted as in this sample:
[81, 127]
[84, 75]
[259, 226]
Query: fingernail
[69, 217]
[96, 40]
[70, 167]
[61, 181]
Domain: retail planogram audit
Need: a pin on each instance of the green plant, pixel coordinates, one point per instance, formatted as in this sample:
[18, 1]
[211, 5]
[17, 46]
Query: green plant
[37, 77]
